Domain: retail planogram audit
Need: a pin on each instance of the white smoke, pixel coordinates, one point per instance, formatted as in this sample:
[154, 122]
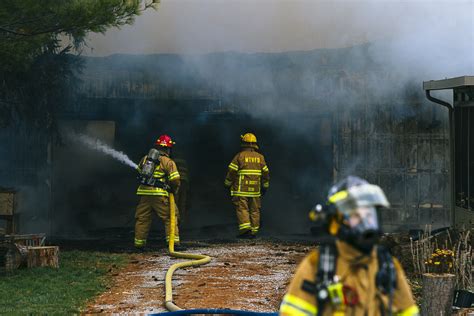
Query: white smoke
[96, 144]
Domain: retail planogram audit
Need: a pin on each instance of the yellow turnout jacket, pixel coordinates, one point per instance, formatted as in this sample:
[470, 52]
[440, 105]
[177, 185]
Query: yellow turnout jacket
[247, 173]
[356, 271]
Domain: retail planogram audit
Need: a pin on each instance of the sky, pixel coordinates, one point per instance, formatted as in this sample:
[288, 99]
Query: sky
[203, 26]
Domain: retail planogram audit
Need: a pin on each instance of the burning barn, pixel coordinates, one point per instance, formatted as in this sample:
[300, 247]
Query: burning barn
[317, 119]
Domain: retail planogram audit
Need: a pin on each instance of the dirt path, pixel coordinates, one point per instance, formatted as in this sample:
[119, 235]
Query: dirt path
[250, 275]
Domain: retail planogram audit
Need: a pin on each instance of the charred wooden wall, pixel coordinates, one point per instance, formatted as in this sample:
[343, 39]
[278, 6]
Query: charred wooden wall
[407, 156]
[319, 116]
[391, 135]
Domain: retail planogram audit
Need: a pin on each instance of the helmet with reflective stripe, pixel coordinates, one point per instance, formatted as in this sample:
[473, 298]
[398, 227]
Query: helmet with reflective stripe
[164, 141]
[352, 213]
[249, 140]
[356, 202]
[353, 192]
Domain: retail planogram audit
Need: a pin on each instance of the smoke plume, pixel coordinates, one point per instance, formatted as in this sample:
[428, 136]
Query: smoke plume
[303, 75]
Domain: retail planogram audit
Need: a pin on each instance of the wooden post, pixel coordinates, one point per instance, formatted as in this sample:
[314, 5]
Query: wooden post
[7, 210]
[43, 257]
[437, 294]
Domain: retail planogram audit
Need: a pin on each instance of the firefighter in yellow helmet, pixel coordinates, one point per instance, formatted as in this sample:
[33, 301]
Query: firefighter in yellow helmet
[248, 178]
[158, 177]
[351, 274]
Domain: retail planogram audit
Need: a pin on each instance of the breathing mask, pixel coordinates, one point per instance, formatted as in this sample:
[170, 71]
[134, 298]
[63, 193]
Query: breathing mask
[352, 212]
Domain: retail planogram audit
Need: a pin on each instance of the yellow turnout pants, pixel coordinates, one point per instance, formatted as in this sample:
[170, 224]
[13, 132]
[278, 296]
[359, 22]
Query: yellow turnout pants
[248, 213]
[160, 204]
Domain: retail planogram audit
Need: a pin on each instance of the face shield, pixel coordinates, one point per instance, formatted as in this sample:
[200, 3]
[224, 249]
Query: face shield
[358, 207]
[362, 219]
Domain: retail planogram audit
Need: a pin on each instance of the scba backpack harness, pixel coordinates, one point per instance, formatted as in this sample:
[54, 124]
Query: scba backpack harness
[146, 176]
[329, 289]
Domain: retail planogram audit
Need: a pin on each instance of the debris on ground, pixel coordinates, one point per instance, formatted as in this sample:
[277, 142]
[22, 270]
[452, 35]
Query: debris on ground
[248, 275]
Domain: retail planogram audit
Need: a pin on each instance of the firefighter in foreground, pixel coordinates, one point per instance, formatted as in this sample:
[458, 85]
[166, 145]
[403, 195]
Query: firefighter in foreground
[350, 274]
[158, 177]
[248, 178]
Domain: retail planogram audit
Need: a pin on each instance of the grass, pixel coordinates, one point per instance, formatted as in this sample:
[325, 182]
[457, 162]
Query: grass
[416, 288]
[81, 276]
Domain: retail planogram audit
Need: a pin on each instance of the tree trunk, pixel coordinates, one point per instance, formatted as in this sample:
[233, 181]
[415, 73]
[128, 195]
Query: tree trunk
[437, 294]
[43, 257]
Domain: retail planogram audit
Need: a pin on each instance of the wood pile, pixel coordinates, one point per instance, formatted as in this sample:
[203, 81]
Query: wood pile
[15, 255]
[43, 257]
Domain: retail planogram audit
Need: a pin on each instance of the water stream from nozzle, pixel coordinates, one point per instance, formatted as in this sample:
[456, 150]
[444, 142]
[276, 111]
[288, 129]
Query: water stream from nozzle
[96, 144]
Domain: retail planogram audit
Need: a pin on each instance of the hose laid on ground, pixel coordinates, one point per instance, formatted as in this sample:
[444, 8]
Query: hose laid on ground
[215, 312]
[197, 260]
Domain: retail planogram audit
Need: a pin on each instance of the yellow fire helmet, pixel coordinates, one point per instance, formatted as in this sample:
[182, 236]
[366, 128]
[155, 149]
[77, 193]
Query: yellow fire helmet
[249, 140]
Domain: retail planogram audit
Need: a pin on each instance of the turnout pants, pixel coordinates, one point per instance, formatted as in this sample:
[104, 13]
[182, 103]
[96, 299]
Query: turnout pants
[248, 213]
[143, 216]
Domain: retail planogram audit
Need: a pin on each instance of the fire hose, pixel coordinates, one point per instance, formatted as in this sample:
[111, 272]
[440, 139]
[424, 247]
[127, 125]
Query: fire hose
[196, 260]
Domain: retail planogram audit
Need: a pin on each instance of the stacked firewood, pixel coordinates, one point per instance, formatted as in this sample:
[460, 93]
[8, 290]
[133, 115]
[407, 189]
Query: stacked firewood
[15, 255]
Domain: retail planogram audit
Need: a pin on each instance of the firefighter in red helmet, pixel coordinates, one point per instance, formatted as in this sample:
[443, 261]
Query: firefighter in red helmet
[158, 177]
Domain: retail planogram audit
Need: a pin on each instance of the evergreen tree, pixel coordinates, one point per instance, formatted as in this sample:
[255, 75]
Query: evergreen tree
[36, 70]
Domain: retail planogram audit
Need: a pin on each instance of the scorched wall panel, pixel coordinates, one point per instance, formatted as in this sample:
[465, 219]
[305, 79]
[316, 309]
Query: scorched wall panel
[404, 148]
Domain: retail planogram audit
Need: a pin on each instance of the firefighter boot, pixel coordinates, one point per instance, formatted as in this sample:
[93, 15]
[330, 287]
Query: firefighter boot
[245, 235]
[140, 249]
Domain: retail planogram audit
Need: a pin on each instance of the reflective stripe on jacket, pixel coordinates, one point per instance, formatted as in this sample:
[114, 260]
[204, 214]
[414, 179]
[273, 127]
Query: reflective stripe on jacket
[293, 305]
[166, 172]
[247, 173]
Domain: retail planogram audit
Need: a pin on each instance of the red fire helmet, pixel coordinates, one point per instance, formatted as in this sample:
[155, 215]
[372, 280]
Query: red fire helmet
[165, 141]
